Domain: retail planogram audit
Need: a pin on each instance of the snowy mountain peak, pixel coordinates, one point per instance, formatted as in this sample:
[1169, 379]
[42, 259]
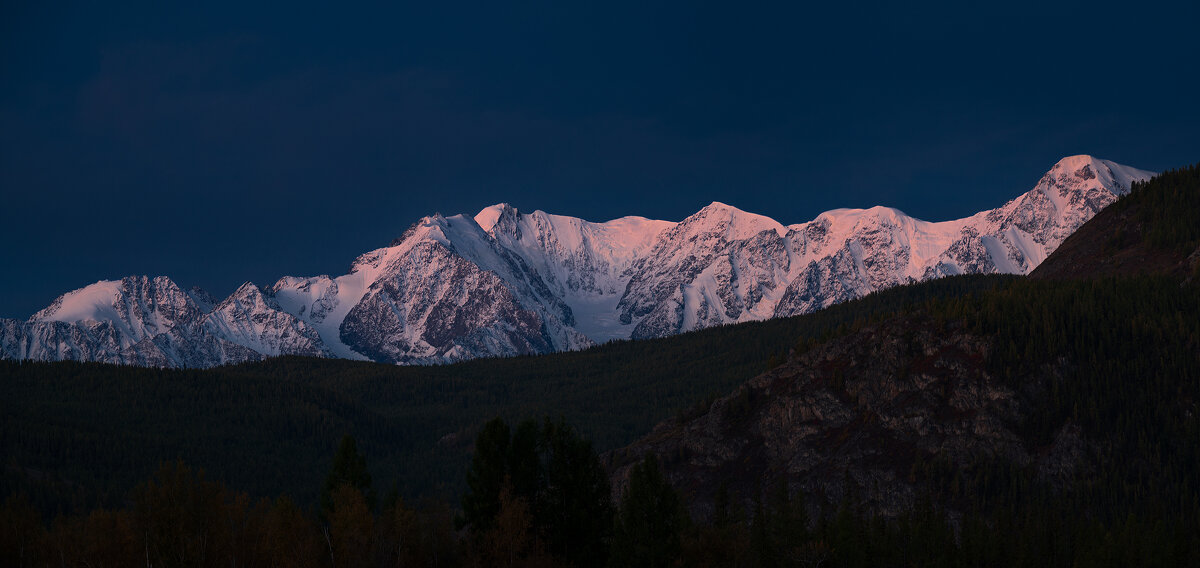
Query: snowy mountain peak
[718, 206]
[251, 317]
[736, 223]
[489, 216]
[88, 303]
[848, 218]
[1074, 163]
[139, 306]
[1087, 171]
[503, 282]
[503, 219]
[247, 293]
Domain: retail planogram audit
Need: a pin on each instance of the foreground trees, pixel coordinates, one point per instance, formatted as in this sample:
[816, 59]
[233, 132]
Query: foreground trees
[553, 473]
[180, 518]
[651, 520]
[349, 469]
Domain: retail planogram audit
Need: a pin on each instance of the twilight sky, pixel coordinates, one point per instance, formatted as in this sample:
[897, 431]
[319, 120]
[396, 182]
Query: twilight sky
[222, 142]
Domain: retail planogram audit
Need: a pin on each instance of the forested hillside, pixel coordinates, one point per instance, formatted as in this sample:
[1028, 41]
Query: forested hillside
[1061, 413]
[82, 433]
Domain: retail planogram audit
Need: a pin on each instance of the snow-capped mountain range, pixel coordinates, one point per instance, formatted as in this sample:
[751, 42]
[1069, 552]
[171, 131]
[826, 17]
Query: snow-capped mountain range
[504, 282]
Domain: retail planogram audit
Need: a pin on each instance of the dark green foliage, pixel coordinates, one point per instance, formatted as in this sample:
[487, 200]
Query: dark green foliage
[762, 543]
[724, 541]
[651, 520]
[1120, 359]
[1045, 534]
[179, 518]
[181, 515]
[349, 468]
[491, 467]
[554, 470]
[1169, 207]
[786, 522]
[574, 508]
[21, 532]
[722, 515]
[525, 469]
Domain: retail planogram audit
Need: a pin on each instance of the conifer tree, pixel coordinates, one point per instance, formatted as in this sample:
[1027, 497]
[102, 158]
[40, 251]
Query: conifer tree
[351, 528]
[349, 468]
[651, 520]
[574, 508]
[485, 478]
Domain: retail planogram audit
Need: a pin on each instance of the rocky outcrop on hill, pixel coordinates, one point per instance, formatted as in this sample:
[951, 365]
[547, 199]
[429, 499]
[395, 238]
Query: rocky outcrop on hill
[868, 415]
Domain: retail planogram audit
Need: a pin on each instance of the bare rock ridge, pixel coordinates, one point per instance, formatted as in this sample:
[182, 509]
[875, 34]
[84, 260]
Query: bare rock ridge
[503, 282]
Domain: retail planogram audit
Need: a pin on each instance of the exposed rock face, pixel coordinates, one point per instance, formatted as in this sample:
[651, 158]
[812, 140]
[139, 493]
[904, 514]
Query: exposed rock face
[508, 283]
[449, 291]
[133, 321]
[862, 410]
[723, 265]
[251, 318]
[436, 306]
[707, 270]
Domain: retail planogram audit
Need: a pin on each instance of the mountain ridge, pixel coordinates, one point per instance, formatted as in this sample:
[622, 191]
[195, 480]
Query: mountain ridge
[1038, 382]
[503, 282]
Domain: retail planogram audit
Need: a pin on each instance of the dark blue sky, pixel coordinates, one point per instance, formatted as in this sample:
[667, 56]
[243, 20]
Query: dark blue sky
[220, 143]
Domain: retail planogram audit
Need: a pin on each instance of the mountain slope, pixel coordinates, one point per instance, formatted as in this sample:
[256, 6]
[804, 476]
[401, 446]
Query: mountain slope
[866, 406]
[503, 283]
[1146, 232]
[1079, 392]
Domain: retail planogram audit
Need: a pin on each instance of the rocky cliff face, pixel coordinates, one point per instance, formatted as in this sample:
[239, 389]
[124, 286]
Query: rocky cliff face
[253, 319]
[507, 283]
[859, 414]
[434, 305]
[133, 321]
[723, 265]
